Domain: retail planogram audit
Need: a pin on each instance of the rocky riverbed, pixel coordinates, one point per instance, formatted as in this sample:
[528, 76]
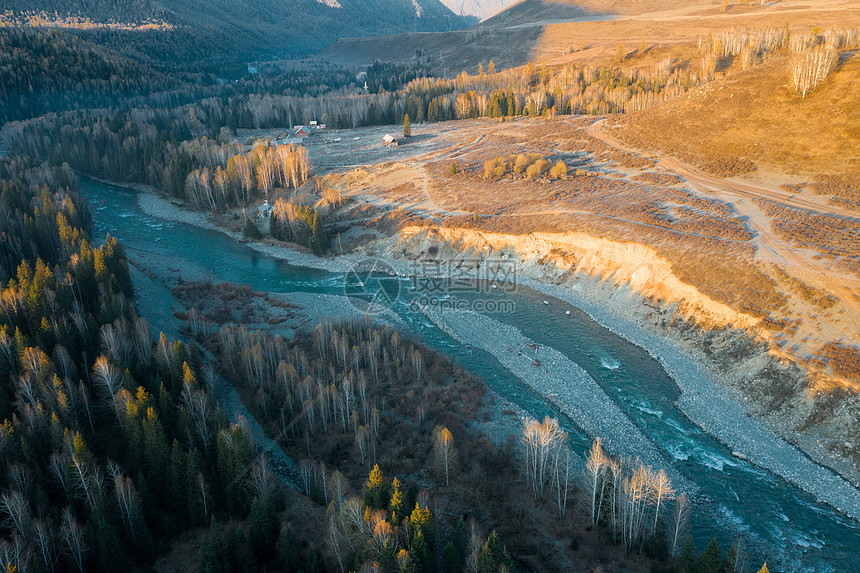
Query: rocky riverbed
[703, 399]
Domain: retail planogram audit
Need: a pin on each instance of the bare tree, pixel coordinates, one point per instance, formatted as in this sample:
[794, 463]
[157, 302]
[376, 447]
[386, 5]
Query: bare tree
[306, 470]
[263, 480]
[197, 405]
[444, 448]
[361, 442]
[563, 470]
[15, 555]
[811, 66]
[204, 493]
[7, 348]
[17, 510]
[540, 440]
[595, 479]
[57, 464]
[126, 498]
[115, 340]
[266, 172]
[661, 491]
[45, 537]
[73, 539]
[679, 524]
[108, 376]
[339, 486]
[336, 542]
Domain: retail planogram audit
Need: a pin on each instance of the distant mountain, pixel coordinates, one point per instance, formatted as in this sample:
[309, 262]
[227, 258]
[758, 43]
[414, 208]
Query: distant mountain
[233, 28]
[482, 9]
[508, 39]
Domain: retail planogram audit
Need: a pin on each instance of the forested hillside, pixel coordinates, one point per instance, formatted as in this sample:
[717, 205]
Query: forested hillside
[226, 31]
[45, 70]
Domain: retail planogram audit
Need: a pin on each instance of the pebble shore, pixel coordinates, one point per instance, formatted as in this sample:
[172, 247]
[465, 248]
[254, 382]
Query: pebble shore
[560, 381]
[702, 399]
[707, 405]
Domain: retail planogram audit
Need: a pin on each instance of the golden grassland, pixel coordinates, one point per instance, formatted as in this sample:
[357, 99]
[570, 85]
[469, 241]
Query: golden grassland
[792, 268]
[754, 115]
[748, 189]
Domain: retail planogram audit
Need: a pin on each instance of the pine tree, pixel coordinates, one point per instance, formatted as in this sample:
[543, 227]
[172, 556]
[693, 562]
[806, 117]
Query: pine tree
[711, 559]
[493, 555]
[251, 231]
[656, 547]
[291, 552]
[451, 560]
[209, 559]
[688, 556]
[421, 553]
[262, 531]
[407, 126]
[763, 569]
[156, 453]
[318, 243]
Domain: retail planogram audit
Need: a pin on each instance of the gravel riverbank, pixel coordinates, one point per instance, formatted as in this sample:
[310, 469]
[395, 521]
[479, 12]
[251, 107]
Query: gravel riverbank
[560, 381]
[703, 400]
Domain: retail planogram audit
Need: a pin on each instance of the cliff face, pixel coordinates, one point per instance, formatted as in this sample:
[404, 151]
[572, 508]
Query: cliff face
[619, 263]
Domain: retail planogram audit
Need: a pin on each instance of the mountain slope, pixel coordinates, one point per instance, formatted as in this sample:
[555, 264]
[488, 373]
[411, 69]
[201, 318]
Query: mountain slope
[230, 28]
[507, 38]
[756, 114]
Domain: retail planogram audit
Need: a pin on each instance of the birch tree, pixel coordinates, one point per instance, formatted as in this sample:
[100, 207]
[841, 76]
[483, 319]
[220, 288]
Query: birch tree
[72, 535]
[540, 440]
[108, 376]
[443, 445]
[661, 491]
[126, 498]
[595, 479]
[679, 524]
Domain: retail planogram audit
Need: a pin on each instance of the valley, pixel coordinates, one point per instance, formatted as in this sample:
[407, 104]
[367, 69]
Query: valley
[418, 286]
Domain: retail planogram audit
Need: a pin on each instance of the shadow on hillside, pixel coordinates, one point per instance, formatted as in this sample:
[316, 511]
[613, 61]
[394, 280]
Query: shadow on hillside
[508, 39]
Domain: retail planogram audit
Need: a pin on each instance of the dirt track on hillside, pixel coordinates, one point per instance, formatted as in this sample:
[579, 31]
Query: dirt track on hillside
[805, 263]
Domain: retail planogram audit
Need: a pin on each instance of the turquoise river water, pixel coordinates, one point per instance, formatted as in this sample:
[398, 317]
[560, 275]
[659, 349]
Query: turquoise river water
[779, 522]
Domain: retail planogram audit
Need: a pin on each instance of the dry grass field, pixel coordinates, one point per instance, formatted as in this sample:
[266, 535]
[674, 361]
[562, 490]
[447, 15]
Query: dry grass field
[766, 251]
[753, 114]
[733, 204]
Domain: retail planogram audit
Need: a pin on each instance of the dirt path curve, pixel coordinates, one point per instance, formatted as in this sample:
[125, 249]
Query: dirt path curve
[727, 189]
[770, 248]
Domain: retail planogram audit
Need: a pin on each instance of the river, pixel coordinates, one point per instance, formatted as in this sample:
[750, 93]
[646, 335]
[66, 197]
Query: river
[780, 523]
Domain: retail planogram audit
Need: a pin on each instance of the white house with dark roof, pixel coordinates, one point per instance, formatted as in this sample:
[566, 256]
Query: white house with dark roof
[264, 211]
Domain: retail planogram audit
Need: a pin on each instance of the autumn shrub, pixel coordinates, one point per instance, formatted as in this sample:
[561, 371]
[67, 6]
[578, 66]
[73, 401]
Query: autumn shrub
[727, 166]
[844, 361]
[495, 168]
[666, 179]
[843, 188]
[520, 163]
[558, 170]
[537, 168]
